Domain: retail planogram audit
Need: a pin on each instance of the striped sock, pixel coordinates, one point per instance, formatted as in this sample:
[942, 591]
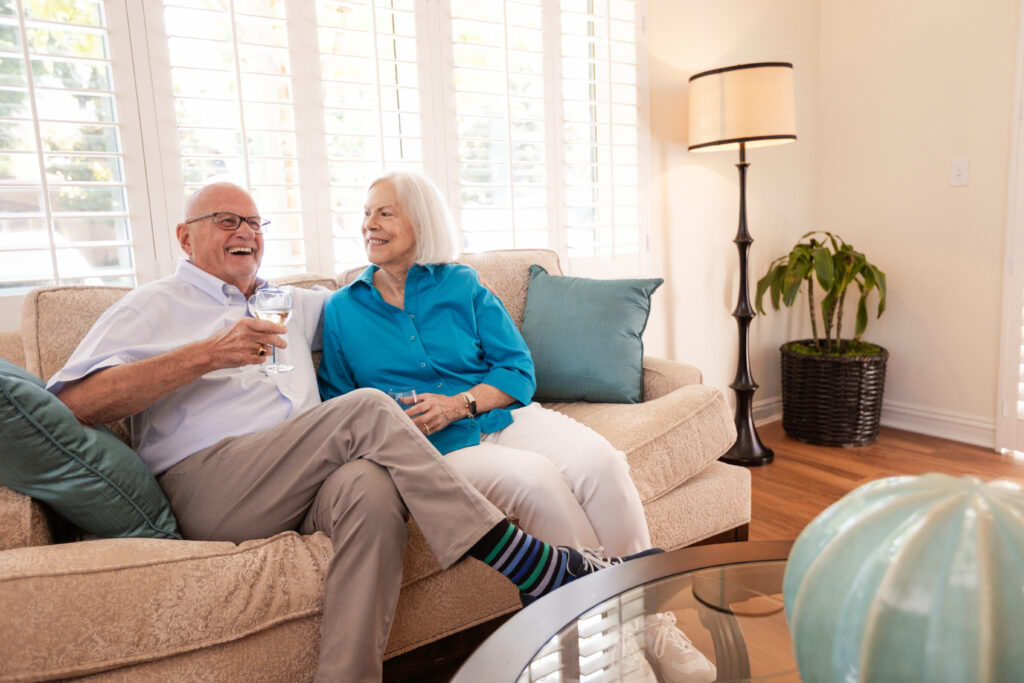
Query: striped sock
[534, 566]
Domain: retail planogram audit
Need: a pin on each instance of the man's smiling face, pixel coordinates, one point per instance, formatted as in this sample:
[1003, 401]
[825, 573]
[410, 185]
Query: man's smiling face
[232, 255]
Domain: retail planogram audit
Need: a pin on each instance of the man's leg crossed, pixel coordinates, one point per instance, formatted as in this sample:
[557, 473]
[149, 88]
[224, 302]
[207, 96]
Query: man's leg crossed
[360, 509]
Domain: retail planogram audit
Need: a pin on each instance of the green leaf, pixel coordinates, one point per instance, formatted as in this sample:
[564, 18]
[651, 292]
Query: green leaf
[862, 317]
[780, 273]
[796, 272]
[824, 268]
[762, 286]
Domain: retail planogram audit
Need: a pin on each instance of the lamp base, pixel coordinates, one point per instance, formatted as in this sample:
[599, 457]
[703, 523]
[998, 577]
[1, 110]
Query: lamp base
[748, 450]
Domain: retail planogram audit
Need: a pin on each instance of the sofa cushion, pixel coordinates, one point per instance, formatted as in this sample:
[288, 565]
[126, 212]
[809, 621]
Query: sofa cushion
[23, 522]
[668, 439]
[98, 605]
[87, 475]
[585, 336]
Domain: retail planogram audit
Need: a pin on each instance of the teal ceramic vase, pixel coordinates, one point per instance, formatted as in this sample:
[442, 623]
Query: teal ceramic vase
[911, 579]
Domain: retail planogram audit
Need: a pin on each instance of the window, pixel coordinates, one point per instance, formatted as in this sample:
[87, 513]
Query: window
[234, 107]
[63, 203]
[548, 129]
[371, 103]
[599, 95]
[528, 114]
[498, 54]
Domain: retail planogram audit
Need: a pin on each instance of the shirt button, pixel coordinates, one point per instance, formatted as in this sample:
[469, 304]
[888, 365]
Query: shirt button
[472, 423]
[440, 385]
[412, 317]
[412, 338]
[423, 365]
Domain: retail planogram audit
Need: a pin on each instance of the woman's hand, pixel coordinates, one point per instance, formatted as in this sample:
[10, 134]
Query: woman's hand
[433, 412]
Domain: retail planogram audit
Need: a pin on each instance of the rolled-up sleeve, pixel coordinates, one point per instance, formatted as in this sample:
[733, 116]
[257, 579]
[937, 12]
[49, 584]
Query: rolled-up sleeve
[121, 335]
[505, 350]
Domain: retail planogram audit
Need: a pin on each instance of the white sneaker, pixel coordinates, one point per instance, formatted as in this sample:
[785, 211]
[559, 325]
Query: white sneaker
[670, 653]
[633, 665]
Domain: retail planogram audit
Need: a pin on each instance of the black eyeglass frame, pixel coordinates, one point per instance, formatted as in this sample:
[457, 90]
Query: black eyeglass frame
[257, 223]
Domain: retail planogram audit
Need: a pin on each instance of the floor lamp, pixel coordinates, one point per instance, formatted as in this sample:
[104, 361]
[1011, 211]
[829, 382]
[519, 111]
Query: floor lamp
[748, 105]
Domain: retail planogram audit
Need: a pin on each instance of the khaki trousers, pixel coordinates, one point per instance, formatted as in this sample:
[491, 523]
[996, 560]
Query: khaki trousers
[354, 467]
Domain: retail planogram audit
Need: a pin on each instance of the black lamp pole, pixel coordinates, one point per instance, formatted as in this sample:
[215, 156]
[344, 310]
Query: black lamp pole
[748, 449]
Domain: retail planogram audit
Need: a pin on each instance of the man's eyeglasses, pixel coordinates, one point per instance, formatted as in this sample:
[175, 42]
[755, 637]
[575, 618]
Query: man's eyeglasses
[225, 220]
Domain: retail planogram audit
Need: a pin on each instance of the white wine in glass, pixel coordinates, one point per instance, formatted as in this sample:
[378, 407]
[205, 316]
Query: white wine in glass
[275, 305]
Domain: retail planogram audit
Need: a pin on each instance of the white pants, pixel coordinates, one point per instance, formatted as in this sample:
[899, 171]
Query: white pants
[563, 481]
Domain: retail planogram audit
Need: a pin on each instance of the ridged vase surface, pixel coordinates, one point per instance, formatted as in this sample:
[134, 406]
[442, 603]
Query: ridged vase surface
[914, 578]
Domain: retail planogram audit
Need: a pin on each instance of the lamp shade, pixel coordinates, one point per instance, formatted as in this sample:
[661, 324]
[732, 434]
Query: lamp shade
[748, 103]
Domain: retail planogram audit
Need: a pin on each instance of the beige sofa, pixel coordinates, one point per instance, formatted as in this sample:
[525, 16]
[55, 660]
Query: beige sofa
[145, 609]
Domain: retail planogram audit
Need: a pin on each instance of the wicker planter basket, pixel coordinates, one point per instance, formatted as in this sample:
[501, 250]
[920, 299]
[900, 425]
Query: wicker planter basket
[832, 400]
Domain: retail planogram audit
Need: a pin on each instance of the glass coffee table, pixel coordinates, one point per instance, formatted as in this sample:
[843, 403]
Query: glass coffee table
[726, 598]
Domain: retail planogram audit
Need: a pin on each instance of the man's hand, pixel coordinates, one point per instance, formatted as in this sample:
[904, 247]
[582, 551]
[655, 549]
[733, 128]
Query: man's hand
[240, 343]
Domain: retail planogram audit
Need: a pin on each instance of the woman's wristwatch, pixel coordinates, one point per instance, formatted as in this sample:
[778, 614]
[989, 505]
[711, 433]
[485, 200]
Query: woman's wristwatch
[470, 403]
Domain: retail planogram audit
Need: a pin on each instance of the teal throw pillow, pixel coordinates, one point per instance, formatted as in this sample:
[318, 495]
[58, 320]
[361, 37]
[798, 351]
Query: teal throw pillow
[585, 336]
[86, 475]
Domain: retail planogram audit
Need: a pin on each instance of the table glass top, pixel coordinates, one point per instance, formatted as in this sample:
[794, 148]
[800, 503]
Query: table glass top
[722, 623]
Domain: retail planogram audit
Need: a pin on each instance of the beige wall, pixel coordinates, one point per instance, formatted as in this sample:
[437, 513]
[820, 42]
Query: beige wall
[887, 95]
[695, 197]
[936, 83]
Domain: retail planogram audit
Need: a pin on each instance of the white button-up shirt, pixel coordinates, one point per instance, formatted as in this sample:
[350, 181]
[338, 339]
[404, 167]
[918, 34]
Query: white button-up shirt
[187, 307]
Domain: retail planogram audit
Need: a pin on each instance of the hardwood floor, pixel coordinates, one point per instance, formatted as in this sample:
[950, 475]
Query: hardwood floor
[803, 480]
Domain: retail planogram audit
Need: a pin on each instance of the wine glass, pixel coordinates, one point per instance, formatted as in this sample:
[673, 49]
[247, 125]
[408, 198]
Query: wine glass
[275, 305]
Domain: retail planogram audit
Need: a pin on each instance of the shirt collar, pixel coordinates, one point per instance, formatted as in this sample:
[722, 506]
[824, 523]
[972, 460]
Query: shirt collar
[209, 284]
[366, 277]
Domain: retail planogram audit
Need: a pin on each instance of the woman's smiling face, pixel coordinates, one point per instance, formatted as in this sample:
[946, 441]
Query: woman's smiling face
[388, 235]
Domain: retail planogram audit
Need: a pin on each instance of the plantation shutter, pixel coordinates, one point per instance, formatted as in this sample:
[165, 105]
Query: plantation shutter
[601, 108]
[231, 69]
[372, 111]
[64, 212]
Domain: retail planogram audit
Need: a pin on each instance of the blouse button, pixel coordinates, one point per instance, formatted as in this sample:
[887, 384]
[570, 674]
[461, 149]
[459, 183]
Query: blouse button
[440, 385]
[412, 338]
[423, 365]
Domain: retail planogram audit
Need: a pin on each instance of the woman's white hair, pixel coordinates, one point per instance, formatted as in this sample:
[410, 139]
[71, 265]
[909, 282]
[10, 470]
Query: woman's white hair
[426, 209]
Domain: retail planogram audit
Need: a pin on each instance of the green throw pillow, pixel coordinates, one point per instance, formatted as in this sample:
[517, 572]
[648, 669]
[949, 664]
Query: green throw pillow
[585, 336]
[87, 475]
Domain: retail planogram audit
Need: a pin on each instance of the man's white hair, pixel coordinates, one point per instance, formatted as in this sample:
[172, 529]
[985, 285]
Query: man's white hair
[426, 209]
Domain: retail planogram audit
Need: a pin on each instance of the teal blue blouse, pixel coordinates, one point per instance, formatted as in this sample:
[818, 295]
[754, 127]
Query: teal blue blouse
[453, 334]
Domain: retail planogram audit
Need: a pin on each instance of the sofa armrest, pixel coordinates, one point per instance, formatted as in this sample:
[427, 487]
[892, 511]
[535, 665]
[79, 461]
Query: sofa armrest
[23, 521]
[662, 376]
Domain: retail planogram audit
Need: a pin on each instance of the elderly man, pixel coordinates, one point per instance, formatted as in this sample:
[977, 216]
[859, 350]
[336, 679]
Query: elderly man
[242, 454]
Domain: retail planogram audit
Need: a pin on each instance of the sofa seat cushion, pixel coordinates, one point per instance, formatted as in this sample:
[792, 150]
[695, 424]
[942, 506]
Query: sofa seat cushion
[714, 500]
[91, 606]
[668, 439]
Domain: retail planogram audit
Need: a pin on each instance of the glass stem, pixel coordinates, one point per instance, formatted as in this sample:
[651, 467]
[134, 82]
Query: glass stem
[273, 355]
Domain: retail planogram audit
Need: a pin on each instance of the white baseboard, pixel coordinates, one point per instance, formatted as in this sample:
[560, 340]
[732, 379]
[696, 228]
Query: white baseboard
[944, 424]
[768, 410]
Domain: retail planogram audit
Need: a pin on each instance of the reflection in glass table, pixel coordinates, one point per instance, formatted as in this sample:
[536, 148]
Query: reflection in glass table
[732, 614]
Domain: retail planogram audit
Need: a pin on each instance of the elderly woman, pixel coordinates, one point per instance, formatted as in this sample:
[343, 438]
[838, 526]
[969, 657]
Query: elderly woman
[415, 319]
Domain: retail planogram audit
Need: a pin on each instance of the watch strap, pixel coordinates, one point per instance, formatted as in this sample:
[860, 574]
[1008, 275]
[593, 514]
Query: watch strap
[470, 403]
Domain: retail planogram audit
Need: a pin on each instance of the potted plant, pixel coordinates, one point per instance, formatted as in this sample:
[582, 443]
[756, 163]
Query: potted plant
[831, 387]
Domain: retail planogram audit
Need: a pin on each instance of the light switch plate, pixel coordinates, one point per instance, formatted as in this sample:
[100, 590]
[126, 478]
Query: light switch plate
[960, 172]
